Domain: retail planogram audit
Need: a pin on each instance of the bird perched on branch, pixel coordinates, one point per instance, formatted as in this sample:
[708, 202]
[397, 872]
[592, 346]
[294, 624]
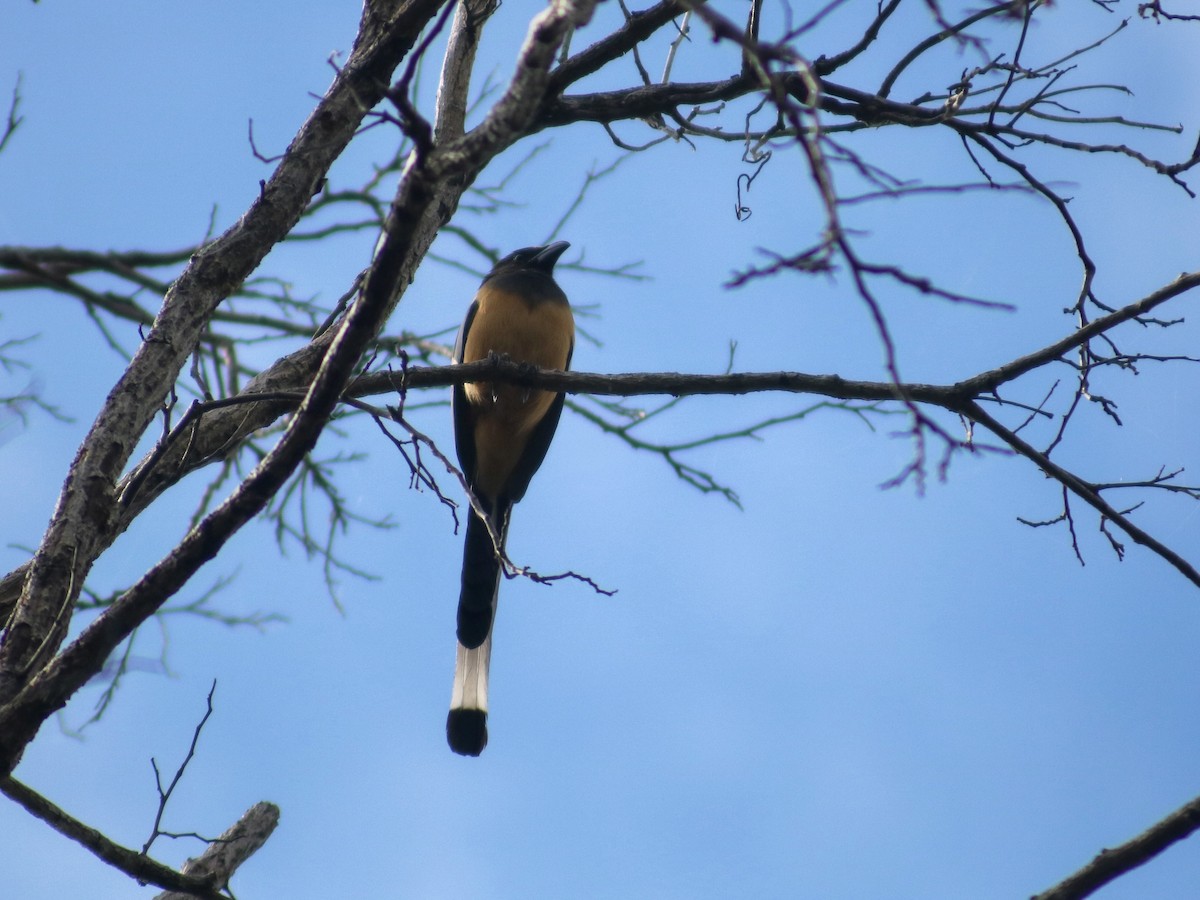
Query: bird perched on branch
[502, 432]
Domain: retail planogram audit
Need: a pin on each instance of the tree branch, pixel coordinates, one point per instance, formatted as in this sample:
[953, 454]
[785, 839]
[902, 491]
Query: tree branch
[1082, 489]
[137, 865]
[84, 519]
[226, 854]
[1111, 864]
[426, 198]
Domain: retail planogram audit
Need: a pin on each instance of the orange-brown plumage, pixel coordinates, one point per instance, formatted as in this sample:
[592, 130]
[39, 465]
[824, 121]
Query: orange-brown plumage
[537, 329]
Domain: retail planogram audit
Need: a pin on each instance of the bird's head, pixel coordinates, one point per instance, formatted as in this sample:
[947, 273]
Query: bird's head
[538, 259]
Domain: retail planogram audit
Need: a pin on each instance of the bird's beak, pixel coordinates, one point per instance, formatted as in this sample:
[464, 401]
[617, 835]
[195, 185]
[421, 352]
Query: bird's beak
[549, 254]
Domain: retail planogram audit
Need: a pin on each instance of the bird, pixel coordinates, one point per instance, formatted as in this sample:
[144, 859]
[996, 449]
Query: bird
[501, 433]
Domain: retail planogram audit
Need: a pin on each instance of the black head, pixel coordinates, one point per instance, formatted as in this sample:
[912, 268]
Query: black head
[537, 259]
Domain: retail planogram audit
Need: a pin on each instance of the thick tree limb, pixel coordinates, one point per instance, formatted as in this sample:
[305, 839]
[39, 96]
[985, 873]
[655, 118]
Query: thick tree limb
[457, 67]
[637, 28]
[426, 198]
[85, 517]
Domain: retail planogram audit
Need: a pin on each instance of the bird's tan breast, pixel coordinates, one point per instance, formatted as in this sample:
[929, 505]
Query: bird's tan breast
[538, 331]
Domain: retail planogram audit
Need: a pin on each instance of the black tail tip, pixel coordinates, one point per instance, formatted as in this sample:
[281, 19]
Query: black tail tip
[466, 731]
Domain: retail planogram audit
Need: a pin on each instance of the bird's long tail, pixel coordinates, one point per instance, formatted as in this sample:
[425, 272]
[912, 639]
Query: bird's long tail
[480, 579]
[466, 725]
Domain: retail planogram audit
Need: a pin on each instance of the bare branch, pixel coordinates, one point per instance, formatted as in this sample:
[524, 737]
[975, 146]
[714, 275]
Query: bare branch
[1153, 9]
[1110, 864]
[948, 31]
[164, 796]
[136, 864]
[1085, 491]
[13, 119]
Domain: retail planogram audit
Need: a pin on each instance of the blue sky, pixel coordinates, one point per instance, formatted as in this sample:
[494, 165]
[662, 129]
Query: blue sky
[838, 691]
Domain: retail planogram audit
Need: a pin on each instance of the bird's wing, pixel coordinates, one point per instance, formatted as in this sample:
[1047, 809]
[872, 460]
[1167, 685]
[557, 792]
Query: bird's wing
[464, 440]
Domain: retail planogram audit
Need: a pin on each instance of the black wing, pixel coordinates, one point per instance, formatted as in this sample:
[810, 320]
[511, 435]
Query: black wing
[464, 438]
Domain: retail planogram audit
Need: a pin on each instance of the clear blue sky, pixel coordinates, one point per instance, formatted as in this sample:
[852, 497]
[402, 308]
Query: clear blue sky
[837, 692]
